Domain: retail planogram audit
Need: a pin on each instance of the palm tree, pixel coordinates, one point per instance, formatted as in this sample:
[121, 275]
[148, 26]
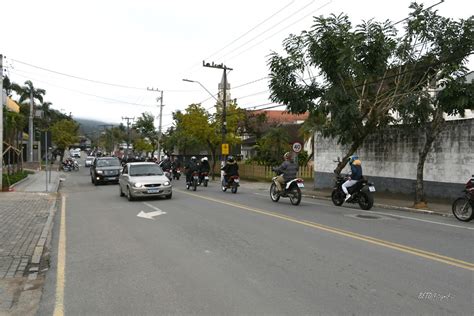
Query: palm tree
[29, 92]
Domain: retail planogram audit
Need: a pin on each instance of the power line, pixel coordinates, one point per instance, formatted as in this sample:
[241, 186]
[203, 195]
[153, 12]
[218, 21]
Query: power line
[253, 28]
[279, 31]
[80, 92]
[271, 28]
[77, 77]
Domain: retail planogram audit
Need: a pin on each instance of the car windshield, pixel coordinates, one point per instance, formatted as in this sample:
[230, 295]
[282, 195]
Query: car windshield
[108, 163]
[145, 170]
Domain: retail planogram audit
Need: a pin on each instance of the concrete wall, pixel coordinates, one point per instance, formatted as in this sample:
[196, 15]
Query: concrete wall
[390, 158]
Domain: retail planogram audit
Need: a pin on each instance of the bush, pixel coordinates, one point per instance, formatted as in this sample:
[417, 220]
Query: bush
[8, 180]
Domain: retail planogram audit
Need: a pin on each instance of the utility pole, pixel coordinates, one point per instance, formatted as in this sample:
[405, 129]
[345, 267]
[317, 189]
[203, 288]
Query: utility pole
[224, 103]
[160, 98]
[1, 121]
[106, 126]
[128, 119]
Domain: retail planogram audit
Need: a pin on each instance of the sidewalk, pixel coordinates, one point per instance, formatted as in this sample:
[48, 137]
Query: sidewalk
[382, 199]
[26, 217]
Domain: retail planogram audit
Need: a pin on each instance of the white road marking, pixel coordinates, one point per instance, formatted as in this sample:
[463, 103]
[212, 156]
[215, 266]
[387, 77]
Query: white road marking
[395, 215]
[150, 215]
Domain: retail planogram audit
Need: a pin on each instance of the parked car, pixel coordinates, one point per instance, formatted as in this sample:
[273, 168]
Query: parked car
[89, 161]
[142, 179]
[105, 169]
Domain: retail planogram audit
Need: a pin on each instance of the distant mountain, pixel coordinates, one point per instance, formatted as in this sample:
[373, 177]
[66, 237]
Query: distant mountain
[88, 127]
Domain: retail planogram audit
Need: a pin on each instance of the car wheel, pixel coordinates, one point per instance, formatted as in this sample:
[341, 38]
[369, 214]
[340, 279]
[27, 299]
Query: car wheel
[169, 196]
[129, 195]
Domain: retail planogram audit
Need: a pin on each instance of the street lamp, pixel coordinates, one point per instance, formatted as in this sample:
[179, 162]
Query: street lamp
[189, 80]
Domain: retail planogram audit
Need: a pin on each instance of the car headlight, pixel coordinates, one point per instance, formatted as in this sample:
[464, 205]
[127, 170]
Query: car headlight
[166, 183]
[100, 171]
[137, 185]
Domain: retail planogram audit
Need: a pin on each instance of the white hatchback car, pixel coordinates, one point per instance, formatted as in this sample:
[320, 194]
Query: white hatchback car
[142, 179]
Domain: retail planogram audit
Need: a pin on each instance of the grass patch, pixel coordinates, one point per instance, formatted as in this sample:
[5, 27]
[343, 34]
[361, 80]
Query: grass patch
[8, 180]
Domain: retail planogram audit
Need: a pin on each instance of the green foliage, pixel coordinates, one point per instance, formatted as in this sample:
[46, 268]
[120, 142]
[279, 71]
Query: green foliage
[303, 158]
[272, 146]
[64, 133]
[145, 127]
[352, 79]
[142, 145]
[8, 180]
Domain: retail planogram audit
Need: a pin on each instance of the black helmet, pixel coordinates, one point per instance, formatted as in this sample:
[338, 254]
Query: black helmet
[230, 158]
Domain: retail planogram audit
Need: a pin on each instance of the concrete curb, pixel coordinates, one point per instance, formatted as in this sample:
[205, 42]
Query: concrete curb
[390, 207]
[38, 252]
[19, 182]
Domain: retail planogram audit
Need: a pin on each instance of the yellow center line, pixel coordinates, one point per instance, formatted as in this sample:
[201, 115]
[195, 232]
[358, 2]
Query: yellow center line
[384, 243]
[59, 304]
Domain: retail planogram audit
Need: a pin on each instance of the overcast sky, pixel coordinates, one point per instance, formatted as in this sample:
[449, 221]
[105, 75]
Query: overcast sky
[136, 44]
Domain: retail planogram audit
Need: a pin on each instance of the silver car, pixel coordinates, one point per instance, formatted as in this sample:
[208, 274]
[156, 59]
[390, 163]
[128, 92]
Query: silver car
[142, 179]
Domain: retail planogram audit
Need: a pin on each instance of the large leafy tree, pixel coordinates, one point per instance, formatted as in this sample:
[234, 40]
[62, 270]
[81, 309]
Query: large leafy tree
[444, 45]
[64, 134]
[176, 139]
[145, 127]
[354, 78]
[206, 128]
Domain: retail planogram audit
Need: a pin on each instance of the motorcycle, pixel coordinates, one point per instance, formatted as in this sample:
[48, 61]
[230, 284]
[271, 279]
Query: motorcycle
[204, 178]
[167, 173]
[194, 181]
[176, 173]
[463, 206]
[232, 184]
[292, 190]
[361, 192]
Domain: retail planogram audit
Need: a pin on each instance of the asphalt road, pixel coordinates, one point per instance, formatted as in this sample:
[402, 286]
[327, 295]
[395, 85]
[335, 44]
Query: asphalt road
[223, 253]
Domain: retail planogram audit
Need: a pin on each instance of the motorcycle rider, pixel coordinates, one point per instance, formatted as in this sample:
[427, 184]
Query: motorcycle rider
[286, 171]
[204, 168]
[231, 168]
[175, 166]
[356, 175]
[191, 166]
[166, 164]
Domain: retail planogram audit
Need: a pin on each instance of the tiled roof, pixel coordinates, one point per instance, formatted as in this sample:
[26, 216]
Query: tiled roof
[275, 116]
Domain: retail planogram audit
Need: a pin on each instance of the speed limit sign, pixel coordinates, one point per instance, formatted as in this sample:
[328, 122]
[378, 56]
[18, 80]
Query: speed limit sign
[297, 147]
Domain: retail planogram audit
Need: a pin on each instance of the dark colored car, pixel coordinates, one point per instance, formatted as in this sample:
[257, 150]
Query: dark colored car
[105, 169]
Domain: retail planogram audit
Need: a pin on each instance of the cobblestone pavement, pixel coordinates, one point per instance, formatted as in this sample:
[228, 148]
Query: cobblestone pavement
[22, 219]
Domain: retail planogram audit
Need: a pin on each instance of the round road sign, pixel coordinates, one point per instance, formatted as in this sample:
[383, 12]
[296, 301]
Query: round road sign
[297, 147]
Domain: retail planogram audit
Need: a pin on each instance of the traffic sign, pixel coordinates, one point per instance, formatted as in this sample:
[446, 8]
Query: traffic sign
[225, 149]
[297, 147]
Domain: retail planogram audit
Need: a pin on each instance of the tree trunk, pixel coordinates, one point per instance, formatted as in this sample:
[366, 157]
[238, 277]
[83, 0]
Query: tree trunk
[342, 163]
[432, 131]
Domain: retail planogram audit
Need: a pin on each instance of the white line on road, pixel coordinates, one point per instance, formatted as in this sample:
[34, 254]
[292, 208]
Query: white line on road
[400, 216]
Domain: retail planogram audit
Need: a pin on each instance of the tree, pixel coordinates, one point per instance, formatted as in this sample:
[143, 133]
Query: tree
[64, 134]
[143, 145]
[353, 78]
[272, 146]
[444, 45]
[145, 127]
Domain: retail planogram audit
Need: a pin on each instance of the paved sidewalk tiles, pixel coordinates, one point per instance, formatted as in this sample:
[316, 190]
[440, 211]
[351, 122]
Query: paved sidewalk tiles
[23, 217]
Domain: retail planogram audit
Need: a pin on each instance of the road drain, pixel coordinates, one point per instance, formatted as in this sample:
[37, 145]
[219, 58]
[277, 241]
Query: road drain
[367, 216]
